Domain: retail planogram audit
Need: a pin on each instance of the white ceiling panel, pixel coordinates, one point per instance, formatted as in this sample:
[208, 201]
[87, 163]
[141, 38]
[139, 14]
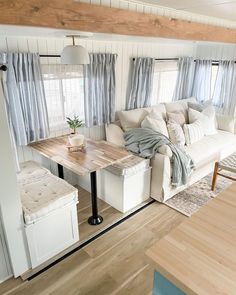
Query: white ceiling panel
[224, 9]
[182, 4]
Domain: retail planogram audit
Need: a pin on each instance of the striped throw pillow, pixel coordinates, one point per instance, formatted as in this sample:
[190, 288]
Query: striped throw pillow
[193, 132]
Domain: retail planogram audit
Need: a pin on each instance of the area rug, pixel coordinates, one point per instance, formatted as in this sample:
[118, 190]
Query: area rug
[197, 195]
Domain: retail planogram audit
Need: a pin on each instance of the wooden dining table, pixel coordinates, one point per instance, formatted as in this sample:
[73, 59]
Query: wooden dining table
[95, 156]
[199, 256]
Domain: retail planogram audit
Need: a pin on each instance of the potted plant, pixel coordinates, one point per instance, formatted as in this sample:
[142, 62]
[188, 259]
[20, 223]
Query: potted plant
[75, 140]
[74, 123]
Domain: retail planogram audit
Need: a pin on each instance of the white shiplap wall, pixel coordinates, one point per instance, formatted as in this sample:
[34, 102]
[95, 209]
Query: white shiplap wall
[125, 50]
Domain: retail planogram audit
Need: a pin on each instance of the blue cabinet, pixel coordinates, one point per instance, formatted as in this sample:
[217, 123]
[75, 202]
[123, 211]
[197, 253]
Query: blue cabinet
[164, 287]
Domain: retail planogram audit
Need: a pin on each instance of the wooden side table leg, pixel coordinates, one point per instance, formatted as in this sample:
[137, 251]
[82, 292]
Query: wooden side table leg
[215, 174]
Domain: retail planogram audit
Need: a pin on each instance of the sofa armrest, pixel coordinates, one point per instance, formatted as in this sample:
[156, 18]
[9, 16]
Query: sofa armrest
[165, 150]
[161, 177]
[115, 134]
[226, 123]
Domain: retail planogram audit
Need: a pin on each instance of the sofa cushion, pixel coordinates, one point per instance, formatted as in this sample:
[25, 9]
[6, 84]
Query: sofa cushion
[159, 108]
[176, 133]
[193, 132]
[209, 148]
[180, 106]
[155, 122]
[207, 118]
[133, 118]
[114, 134]
[226, 123]
[179, 118]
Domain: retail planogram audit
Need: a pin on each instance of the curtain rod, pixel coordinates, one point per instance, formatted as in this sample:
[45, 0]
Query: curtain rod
[49, 55]
[163, 59]
[214, 61]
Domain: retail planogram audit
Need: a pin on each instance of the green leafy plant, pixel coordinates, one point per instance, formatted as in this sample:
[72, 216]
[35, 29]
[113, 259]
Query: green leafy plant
[74, 123]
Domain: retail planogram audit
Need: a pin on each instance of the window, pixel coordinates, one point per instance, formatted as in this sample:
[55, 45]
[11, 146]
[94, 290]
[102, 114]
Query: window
[214, 71]
[64, 91]
[165, 76]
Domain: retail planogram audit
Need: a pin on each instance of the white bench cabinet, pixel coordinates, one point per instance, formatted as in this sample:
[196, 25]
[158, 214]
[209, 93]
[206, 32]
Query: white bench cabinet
[50, 212]
[52, 234]
[126, 184]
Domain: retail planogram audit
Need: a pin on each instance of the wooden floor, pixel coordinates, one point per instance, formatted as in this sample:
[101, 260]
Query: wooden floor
[113, 264]
[108, 213]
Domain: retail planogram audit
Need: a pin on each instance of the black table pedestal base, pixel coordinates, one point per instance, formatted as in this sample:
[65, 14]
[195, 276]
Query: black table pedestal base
[95, 221]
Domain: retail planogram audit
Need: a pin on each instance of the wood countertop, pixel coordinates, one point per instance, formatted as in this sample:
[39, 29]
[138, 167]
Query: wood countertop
[199, 256]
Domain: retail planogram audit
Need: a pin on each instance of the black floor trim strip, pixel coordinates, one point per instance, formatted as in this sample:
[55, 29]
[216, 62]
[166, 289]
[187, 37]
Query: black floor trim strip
[91, 240]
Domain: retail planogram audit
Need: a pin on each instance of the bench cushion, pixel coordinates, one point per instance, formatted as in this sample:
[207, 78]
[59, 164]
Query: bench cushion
[42, 192]
[129, 166]
[45, 195]
[229, 163]
[31, 170]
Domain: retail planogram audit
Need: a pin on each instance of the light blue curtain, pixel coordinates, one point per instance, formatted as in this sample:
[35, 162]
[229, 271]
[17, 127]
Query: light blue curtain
[224, 96]
[184, 84]
[12, 137]
[24, 91]
[99, 89]
[202, 80]
[141, 83]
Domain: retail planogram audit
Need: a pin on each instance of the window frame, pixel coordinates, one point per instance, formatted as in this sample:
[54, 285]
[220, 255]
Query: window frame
[59, 74]
[156, 91]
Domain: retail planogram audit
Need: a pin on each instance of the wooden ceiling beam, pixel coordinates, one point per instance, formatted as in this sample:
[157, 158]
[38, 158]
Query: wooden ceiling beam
[71, 15]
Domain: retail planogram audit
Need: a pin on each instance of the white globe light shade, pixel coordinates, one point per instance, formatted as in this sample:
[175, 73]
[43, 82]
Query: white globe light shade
[74, 55]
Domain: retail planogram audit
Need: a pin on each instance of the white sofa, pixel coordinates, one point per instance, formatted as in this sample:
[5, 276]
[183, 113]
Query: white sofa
[204, 152]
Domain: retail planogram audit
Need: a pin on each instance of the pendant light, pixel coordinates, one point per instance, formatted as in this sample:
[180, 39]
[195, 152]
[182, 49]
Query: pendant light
[74, 54]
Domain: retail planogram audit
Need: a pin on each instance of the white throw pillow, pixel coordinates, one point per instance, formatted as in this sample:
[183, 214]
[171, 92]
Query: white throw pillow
[155, 122]
[179, 118]
[180, 106]
[193, 132]
[176, 133]
[207, 117]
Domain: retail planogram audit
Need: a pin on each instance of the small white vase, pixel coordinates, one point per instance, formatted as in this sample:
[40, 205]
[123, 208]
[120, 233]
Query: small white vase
[76, 139]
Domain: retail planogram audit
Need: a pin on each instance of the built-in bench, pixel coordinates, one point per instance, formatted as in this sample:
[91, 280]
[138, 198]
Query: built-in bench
[126, 184]
[50, 212]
